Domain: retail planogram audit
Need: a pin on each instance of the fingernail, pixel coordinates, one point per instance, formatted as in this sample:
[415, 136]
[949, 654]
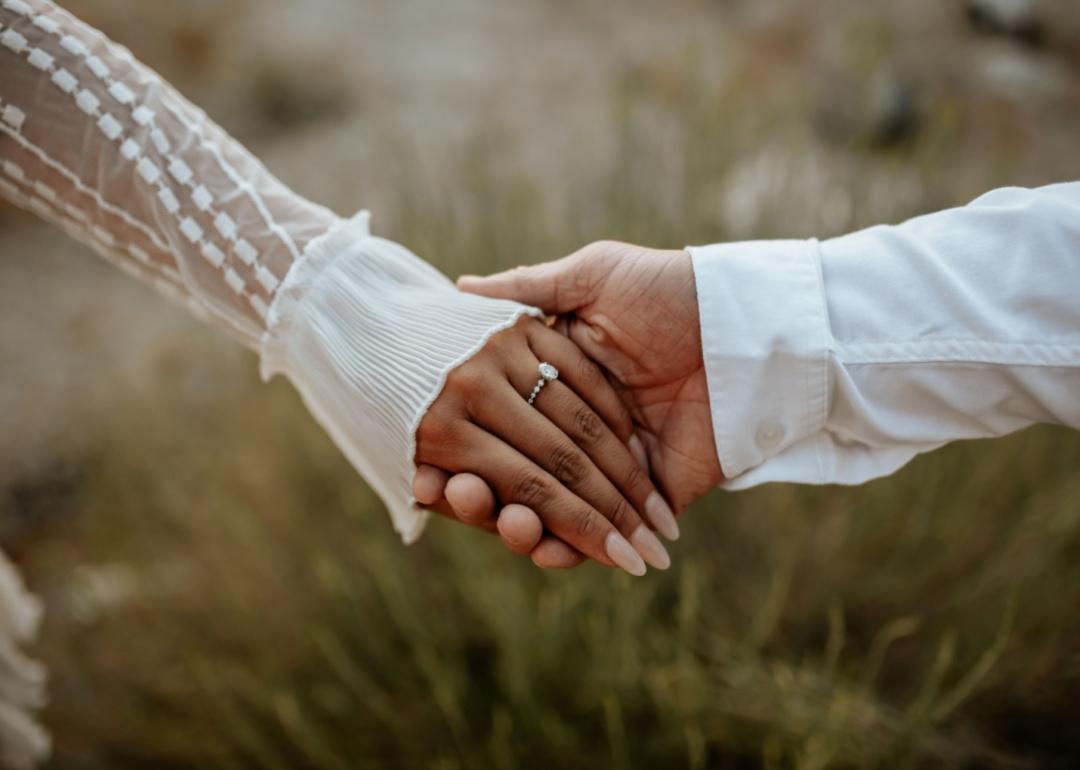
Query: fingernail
[650, 548]
[623, 554]
[637, 449]
[659, 513]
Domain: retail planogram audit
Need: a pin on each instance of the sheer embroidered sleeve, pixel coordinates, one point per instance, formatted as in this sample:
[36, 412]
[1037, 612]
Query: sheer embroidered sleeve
[97, 143]
[100, 145]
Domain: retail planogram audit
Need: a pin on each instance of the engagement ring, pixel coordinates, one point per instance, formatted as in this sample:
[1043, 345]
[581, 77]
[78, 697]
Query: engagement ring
[547, 374]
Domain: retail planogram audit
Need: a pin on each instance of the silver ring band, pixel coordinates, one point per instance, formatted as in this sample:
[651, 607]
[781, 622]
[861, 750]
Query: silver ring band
[547, 374]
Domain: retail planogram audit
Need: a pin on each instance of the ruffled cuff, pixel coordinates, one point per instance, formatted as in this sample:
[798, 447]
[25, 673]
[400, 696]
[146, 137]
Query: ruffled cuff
[368, 332]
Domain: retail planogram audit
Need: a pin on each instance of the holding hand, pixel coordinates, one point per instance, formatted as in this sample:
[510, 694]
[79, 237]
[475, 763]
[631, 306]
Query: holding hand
[634, 311]
[563, 457]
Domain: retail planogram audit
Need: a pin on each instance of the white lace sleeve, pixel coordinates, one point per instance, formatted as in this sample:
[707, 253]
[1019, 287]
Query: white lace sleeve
[98, 143]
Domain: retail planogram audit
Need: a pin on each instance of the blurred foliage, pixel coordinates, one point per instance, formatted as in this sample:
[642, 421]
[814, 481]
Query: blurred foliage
[225, 592]
[248, 607]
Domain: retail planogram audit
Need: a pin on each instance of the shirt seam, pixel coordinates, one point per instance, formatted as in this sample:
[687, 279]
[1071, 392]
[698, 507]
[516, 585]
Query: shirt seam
[995, 353]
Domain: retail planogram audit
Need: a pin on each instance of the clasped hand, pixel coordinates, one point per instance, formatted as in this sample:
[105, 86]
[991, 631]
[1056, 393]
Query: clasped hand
[609, 451]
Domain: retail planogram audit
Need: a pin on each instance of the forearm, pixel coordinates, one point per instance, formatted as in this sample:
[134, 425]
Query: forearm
[840, 361]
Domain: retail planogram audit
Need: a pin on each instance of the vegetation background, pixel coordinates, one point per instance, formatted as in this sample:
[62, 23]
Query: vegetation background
[224, 592]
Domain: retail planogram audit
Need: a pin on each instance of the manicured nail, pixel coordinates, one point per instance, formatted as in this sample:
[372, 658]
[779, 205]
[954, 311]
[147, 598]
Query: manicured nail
[637, 449]
[659, 513]
[650, 548]
[623, 554]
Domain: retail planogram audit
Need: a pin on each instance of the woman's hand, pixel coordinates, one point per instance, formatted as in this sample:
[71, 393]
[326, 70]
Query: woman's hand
[564, 457]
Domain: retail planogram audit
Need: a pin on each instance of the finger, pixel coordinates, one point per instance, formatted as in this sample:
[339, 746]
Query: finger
[522, 531]
[520, 528]
[565, 326]
[614, 459]
[472, 502]
[471, 498]
[443, 508]
[583, 376]
[470, 494]
[552, 553]
[562, 325]
[506, 414]
[517, 479]
[567, 409]
[429, 484]
[561, 286]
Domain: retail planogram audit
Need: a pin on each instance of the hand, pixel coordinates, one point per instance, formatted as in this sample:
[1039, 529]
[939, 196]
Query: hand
[634, 311]
[564, 457]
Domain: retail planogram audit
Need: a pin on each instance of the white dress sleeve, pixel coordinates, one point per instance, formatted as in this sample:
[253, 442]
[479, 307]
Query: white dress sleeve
[840, 361]
[97, 143]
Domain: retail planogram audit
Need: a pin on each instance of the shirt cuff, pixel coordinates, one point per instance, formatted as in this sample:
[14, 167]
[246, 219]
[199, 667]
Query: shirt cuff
[765, 342]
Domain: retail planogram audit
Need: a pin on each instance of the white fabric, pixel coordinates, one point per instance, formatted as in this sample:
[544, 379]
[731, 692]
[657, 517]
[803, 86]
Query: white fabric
[839, 361]
[367, 332]
[97, 143]
[22, 681]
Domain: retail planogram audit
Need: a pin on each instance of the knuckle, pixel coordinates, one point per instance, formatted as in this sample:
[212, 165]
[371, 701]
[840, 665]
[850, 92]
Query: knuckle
[599, 248]
[588, 427]
[621, 515]
[433, 429]
[568, 465]
[635, 477]
[530, 490]
[468, 378]
[440, 441]
[585, 525]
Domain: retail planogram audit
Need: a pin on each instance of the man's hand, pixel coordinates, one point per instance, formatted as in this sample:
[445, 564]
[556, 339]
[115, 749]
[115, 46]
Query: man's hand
[634, 311]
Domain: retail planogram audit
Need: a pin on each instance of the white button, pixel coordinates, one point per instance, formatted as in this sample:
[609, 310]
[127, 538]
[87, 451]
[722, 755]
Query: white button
[769, 434]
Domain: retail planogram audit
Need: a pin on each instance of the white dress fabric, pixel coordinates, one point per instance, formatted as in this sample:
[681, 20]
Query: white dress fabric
[840, 361]
[98, 144]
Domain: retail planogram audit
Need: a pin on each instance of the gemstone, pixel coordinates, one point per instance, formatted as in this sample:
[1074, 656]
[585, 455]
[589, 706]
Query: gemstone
[548, 372]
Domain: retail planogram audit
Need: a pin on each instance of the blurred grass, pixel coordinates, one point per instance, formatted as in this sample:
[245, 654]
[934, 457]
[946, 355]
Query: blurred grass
[225, 593]
[250, 608]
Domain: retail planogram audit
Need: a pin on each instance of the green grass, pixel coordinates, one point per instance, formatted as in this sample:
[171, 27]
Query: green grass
[274, 621]
[226, 593]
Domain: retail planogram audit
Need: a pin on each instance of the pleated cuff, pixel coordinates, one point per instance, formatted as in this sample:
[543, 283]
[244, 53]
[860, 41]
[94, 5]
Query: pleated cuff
[368, 332]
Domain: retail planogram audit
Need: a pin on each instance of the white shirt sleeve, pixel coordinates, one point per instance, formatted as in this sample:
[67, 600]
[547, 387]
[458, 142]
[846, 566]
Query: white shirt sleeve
[839, 361]
[99, 144]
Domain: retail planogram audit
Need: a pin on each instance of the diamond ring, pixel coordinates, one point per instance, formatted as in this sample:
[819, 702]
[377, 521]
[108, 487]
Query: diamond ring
[547, 374]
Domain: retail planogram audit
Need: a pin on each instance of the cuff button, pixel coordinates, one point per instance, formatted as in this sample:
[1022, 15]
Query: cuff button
[769, 434]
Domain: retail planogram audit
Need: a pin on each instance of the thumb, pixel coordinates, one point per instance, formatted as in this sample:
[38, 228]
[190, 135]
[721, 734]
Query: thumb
[554, 287]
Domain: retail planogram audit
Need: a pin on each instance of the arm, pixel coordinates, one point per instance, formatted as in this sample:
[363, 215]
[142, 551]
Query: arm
[368, 333]
[838, 362]
[98, 144]
[831, 362]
